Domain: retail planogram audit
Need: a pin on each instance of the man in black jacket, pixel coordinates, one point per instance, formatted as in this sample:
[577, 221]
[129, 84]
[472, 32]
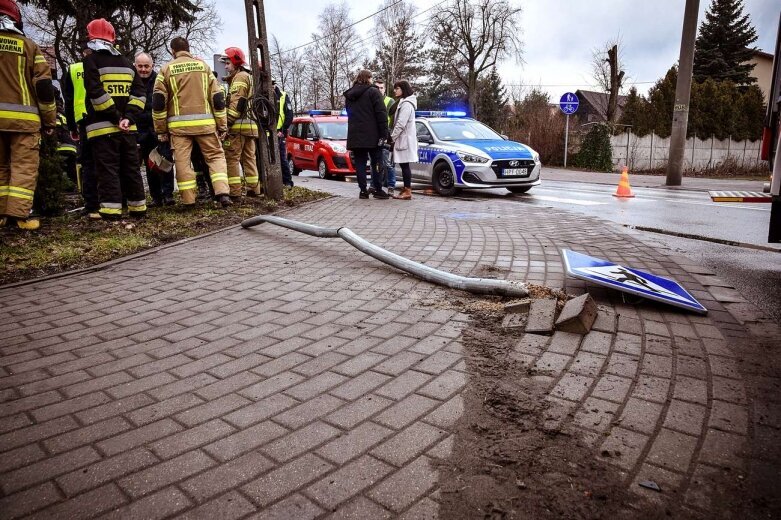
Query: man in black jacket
[161, 184]
[367, 130]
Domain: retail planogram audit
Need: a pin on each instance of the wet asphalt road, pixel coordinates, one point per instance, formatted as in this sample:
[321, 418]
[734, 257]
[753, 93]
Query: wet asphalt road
[754, 269]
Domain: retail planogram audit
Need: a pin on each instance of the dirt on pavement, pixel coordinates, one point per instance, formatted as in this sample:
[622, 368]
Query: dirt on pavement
[511, 459]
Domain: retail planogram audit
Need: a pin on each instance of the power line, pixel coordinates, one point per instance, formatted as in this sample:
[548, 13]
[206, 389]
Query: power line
[571, 85]
[340, 29]
[356, 23]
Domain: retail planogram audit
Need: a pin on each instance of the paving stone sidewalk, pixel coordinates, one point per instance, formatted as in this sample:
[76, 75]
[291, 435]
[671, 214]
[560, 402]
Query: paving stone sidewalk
[267, 374]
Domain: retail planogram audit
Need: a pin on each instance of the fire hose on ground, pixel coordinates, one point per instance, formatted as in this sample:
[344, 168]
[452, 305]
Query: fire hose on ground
[424, 272]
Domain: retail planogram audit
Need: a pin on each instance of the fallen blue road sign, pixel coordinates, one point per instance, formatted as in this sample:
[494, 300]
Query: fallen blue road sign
[629, 280]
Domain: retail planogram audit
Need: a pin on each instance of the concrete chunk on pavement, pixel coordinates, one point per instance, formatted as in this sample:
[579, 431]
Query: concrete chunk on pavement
[541, 315]
[514, 321]
[578, 315]
[517, 306]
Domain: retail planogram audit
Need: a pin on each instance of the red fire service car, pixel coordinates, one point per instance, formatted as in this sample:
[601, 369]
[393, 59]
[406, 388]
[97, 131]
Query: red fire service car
[317, 141]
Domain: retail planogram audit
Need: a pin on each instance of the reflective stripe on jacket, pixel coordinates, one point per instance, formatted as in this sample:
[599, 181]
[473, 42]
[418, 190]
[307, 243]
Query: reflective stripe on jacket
[194, 103]
[240, 94]
[114, 92]
[25, 78]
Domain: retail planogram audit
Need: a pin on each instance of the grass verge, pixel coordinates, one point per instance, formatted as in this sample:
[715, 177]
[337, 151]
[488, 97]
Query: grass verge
[73, 242]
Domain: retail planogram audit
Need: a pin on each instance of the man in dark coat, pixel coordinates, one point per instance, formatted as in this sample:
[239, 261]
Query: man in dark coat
[367, 130]
[161, 184]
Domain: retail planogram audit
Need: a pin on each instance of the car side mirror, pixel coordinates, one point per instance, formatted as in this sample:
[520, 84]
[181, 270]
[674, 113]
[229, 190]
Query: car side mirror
[426, 139]
[506, 138]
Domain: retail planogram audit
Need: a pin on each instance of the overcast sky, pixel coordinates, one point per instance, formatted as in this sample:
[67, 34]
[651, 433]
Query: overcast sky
[559, 35]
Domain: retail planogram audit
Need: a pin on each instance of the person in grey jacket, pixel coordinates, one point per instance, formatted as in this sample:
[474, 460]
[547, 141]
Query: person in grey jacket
[404, 136]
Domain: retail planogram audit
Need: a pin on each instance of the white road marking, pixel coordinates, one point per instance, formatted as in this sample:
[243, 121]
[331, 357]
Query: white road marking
[568, 201]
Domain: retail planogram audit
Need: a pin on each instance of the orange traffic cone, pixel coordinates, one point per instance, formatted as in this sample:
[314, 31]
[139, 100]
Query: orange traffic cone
[624, 189]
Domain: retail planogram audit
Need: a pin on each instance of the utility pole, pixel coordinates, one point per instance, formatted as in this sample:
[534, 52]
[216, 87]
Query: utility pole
[260, 63]
[682, 94]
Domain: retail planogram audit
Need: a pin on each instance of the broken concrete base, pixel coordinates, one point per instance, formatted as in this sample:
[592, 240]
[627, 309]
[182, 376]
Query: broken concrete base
[514, 321]
[518, 306]
[578, 315]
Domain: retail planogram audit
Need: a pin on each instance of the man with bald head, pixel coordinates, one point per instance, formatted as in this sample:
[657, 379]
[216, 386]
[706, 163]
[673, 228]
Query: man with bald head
[161, 184]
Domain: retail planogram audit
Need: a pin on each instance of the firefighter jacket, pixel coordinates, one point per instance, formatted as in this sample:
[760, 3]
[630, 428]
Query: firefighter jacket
[187, 99]
[75, 95]
[114, 92]
[26, 91]
[240, 104]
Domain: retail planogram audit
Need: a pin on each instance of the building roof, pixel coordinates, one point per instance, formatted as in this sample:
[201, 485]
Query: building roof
[599, 101]
[762, 54]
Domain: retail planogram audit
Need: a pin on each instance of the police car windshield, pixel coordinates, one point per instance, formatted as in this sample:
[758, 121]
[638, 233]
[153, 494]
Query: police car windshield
[333, 130]
[462, 130]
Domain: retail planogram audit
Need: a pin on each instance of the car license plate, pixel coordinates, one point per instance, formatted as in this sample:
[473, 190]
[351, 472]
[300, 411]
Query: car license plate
[515, 172]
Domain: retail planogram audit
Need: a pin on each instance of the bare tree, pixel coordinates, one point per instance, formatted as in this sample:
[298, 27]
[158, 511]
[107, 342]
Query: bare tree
[289, 69]
[135, 33]
[476, 34]
[606, 66]
[334, 54]
[400, 46]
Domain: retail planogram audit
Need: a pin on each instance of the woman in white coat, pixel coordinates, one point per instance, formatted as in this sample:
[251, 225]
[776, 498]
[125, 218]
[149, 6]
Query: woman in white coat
[404, 136]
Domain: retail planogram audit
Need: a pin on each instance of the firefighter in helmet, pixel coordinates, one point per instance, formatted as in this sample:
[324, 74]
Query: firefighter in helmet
[189, 104]
[240, 142]
[115, 97]
[27, 105]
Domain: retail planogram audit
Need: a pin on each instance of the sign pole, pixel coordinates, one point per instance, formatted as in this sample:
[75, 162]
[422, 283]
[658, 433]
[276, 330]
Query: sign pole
[566, 140]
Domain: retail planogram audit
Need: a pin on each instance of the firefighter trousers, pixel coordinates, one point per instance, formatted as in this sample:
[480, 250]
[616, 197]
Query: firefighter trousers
[89, 182]
[214, 157]
[116, 165]
[240, 155]
[19, 157]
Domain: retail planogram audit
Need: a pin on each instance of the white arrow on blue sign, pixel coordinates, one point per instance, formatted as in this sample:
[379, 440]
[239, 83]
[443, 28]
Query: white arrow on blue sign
[569, 103]
[629, 280]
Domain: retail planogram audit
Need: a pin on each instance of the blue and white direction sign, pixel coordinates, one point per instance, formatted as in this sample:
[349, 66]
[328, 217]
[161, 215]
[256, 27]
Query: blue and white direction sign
[569, 103]
[629, 280]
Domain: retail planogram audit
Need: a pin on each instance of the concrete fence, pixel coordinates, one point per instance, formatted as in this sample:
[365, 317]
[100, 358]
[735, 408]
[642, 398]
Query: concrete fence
[651, 152]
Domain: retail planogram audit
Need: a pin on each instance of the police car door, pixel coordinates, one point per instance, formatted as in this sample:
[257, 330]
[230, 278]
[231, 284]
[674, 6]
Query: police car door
[422, 169]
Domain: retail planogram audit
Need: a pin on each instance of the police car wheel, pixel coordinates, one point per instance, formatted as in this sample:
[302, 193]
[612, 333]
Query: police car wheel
[443, 180]
[322, 170]
[518, 189]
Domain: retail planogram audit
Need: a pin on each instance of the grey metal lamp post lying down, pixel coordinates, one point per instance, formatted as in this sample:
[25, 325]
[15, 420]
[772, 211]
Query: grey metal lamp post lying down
[473, 285]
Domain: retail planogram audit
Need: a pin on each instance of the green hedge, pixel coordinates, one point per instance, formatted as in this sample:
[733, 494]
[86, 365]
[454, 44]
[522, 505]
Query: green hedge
[595, 151]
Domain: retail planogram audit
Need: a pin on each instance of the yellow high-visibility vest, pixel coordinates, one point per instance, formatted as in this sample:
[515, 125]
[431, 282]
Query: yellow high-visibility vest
[281, 118]
[388, 101]
[79, 91]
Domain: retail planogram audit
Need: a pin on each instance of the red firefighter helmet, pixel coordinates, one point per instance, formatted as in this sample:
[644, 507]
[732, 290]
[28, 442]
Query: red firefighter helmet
[236, 56]
[101, 29]
[10, 8]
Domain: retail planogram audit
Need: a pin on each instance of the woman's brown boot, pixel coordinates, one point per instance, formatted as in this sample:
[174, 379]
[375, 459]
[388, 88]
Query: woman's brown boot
[404, 194]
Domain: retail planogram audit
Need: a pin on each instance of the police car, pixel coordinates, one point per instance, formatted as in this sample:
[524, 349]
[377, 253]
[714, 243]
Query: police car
[317, 141]
[455, 152]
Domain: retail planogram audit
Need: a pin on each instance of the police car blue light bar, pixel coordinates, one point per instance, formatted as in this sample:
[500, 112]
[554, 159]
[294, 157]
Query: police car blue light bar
[327, 112]
[440, 113]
